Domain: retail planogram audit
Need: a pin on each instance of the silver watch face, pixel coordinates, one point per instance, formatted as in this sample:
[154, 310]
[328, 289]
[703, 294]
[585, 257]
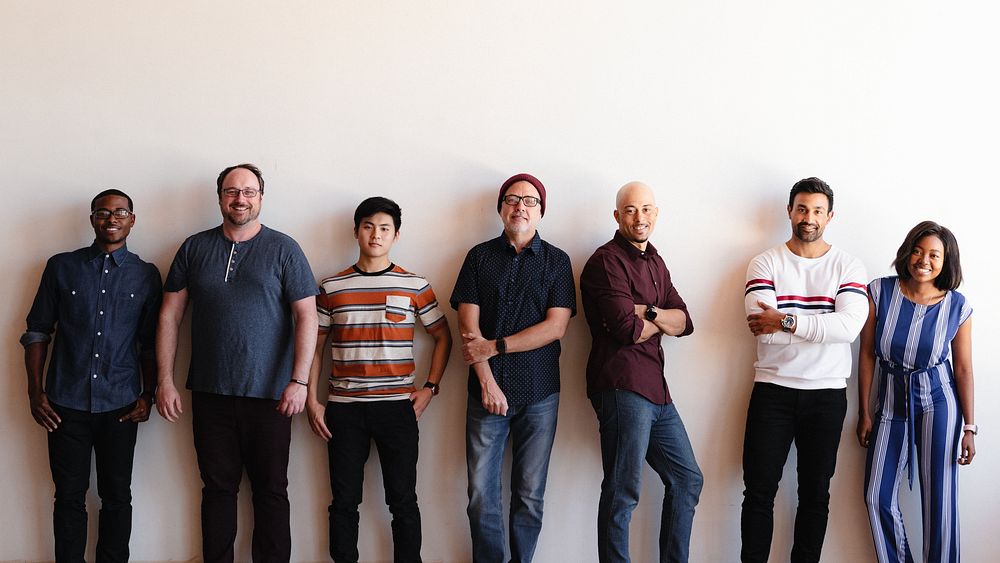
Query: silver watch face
[788, 321]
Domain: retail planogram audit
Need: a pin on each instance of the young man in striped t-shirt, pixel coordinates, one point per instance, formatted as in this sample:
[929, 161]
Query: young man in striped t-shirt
[367, 313]
[805, 302]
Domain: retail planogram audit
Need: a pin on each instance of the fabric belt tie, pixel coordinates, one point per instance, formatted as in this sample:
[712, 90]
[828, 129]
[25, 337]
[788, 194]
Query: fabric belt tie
[907, 377]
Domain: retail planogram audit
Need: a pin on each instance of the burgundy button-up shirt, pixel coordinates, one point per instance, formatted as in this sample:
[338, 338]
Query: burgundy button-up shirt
[616, 278]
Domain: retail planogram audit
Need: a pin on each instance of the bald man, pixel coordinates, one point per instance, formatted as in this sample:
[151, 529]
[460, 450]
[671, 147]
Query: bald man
[630, 302]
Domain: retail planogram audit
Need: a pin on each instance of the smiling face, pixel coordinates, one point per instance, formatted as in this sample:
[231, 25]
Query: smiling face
[520, 219]
[809, 215]
[240, 210]
[376, 234]
[926, 259]
[636, 213]
[112, 232]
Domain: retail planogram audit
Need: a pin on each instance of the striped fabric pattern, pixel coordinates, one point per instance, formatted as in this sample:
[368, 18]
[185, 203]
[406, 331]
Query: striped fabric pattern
[370, 319]
[918, 422]
[801, 303]
[828, 298]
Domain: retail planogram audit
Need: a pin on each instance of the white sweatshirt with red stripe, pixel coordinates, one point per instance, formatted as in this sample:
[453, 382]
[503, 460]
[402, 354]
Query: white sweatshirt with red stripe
[828, 298]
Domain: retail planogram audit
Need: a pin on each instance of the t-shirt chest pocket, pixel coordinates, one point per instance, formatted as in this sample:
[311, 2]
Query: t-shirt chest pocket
[396, 308]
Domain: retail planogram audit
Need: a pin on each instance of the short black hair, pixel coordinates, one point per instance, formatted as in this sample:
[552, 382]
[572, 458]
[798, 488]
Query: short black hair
[378, 204]
[951, 271]
[811, 185]
[106, 193]
[245, 166]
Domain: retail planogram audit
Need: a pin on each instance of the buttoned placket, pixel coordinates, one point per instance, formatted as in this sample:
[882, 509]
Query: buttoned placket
[505, 316]
[657, 299]
[101, 322]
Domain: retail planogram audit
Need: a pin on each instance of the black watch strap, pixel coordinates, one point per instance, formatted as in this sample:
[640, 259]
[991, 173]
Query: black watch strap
[434, 387]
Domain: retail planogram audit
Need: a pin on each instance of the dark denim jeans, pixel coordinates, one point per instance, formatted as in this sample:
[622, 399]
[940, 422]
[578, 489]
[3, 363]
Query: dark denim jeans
[392, 425]
[230, 434]
[532, 429]
[113, 444]
[777, 416]
[632, 430]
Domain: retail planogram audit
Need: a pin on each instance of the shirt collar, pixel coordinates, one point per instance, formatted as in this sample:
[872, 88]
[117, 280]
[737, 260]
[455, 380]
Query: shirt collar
[118, 256]
[535, 246]
[630, 248]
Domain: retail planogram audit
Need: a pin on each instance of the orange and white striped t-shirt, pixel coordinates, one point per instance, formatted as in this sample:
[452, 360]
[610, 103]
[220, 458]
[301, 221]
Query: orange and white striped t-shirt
[370, 318]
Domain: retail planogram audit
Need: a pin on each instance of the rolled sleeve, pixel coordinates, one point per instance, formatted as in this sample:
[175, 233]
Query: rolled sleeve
[606, 281]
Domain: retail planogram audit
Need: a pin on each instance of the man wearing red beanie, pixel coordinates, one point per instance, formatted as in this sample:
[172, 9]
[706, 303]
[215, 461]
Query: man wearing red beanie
[514, 297]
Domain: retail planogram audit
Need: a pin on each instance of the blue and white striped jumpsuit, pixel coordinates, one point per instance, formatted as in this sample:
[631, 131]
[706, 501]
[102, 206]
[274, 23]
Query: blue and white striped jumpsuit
[918, 418]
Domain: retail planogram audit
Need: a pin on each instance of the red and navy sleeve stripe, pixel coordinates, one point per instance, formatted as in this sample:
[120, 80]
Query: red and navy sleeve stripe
[852, 287]
[759, 284]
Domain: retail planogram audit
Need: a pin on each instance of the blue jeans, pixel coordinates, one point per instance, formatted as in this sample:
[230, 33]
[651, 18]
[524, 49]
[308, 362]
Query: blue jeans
[634, 429]
[532, 429]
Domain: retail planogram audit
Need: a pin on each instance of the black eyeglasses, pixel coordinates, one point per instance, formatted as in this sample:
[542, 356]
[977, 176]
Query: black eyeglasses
[103, 214]
[247, 192]
[528, 200]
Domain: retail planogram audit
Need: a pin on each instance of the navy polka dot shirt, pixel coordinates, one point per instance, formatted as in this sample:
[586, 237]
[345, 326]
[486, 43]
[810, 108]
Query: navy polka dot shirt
[514, 291]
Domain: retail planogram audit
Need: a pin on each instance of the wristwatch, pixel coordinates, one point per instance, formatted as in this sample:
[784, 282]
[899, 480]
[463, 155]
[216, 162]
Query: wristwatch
[434, 387]
[788, 323]
[650, 313]
[974, 428]
[501, 346]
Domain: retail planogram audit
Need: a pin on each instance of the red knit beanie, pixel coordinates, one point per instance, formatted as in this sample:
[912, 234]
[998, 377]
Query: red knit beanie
[522, 178]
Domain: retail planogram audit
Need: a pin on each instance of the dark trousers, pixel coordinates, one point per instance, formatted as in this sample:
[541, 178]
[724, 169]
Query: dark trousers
[113, 444]
[230, 434]
[393, 427]
[778, 415]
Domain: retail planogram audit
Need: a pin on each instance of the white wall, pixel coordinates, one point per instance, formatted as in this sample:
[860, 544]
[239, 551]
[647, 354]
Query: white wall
[720, 106]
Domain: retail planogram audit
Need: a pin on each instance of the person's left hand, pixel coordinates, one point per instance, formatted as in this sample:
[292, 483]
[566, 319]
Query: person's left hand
[293, 399]
[968, 448]
[420, 399]
[139, 413]
[767, 321]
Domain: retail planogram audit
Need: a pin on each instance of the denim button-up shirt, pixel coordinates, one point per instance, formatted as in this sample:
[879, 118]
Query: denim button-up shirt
[103, 309]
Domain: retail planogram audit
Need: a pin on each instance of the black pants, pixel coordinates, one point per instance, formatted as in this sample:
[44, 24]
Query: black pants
[230, 434]
[777, 416]
[113, 444]
[393, 427]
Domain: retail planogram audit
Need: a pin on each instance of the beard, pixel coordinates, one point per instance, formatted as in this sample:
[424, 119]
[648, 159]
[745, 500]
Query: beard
[806, 236]
[242, 218]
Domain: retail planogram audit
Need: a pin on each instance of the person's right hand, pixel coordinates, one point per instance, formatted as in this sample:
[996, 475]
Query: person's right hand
[168, 402]
[43, 414]
[317, 419]
[864, 430]
[494, 400]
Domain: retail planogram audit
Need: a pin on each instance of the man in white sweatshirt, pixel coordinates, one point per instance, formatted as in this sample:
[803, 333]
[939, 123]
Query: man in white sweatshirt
[805, 302]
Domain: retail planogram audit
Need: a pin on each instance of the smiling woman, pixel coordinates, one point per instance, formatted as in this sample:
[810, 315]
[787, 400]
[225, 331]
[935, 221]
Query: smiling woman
[917, 325]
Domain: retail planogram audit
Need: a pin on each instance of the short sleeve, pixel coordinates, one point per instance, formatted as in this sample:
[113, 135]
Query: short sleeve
[323, 310]
[563, 290]
[966, 309]
[466, 289]
[297, 277]
[427, 309]
[874, 290]
[177, 277]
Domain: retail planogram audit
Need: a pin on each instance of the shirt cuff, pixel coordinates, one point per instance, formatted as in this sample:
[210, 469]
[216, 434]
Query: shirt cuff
[31, 337]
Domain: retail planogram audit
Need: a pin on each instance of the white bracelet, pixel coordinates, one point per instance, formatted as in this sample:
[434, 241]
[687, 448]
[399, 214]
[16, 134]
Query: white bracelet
[974, 428]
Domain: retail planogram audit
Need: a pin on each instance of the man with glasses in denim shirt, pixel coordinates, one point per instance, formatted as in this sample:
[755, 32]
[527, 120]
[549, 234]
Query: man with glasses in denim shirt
[253, 330]
[102, 303]
[514, 297]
